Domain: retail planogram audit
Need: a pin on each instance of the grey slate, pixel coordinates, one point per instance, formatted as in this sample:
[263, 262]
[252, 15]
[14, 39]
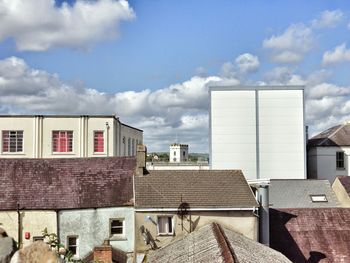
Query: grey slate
[295, 193]
[335, 136]
[200, 189]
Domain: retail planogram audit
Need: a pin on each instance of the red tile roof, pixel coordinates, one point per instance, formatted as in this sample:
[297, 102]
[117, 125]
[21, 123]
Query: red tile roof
[311, 234]
[66, 183]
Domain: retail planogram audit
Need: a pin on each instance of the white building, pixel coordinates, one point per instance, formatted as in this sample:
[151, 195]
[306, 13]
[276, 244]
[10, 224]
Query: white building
[328, 153]
[57, 136]
[259, 129]
[178, 153]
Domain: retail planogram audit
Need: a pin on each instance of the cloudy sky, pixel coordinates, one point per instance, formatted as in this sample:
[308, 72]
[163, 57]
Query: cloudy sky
[150, 62]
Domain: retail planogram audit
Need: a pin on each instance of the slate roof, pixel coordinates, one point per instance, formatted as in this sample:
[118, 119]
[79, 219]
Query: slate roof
[295, 193]
[200, 189]
[213, 243]
[336, 136]
[311, 234]
[66, 183]
[345, 181]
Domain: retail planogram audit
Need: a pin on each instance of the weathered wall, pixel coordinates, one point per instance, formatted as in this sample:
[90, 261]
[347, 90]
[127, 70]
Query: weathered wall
[129, 134]
[92, 226]
[340, 192]
[33, 222]
[241, 221]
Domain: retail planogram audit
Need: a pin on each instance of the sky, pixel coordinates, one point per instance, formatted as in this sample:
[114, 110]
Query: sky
[150, 62]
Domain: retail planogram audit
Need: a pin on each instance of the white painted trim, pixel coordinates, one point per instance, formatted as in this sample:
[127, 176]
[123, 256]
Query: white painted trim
[194, 209]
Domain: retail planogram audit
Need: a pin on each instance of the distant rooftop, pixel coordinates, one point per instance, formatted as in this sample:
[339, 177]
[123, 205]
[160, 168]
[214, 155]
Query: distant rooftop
[214, 243]
[301, 193]
[335, 136]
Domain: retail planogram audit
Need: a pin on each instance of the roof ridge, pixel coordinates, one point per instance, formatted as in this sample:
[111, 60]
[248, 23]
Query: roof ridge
[225, 247]
[332, 134]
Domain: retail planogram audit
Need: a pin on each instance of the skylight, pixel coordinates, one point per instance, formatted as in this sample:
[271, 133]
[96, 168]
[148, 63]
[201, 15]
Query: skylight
[318, 198]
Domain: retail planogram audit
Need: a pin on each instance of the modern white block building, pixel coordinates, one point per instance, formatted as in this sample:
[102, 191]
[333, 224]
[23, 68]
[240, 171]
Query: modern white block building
[178, 153]
[328, 153]
[59, 136]
[259, 129]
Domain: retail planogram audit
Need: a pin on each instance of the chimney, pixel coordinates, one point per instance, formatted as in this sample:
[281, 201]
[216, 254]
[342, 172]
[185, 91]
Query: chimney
[103, 253]
[141, 159]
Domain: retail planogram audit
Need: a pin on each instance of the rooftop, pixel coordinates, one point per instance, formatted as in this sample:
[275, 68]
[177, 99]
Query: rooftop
[214, 243]
[198, 188]
[336, 136]
[66, 183]
[299, 193]
[345, 181]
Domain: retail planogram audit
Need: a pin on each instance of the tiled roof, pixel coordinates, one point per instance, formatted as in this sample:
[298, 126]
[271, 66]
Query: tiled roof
[213, 243]
[336, 136]
[66, 183]
[200, 189]
[295, 193]
[345, 181]
[312, 234]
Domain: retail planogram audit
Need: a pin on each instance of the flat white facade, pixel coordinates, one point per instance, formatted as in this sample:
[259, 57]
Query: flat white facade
[178, 153]
[322, 162]
[259, 130]
[66, 136]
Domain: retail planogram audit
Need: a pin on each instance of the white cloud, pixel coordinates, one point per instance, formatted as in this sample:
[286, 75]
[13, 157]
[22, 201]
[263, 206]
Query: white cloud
[328, 19]
[283, 76]
[338, 55]
[291, 45]
[180, 108]
[38, 25]
[247, 62]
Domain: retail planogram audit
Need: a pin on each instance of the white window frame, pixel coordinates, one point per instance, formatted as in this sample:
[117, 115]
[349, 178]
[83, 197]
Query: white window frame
[104, 143]
[52, 142]
[2, 142]
[76, 244]
[319, 198]
[117, 236]
[167, 232]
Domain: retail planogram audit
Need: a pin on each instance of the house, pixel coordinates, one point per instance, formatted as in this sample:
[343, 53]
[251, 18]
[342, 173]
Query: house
[259, 129]
[171, 204]
[83, 200]
[215, 243]
[341, 187]
[328, 153]
[295, 193]
[66, 136]
[311, 234]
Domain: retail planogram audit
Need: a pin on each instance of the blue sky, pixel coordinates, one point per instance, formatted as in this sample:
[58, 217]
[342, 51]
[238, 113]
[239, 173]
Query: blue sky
[150, 62]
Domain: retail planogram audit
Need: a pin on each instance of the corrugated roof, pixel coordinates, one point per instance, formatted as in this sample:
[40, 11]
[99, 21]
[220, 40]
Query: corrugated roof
[200, 189]
[335, 136]
[66, 183]
[213, 243]
[295, 193]
[311, 234]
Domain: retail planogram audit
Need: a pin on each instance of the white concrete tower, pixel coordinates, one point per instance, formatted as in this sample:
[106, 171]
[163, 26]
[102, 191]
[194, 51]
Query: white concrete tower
[178, 153]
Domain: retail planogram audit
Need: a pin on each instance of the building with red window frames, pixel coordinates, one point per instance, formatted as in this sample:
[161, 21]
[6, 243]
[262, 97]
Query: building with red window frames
[56, 136]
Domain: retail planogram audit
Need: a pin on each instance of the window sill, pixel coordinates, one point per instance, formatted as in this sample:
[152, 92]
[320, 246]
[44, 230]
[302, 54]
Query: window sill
[13, 153]
[341, 169]
[166, 235]
[99, 153]
[117, 238]
[63, 153]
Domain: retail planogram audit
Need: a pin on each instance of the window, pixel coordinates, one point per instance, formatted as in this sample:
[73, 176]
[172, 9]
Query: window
[38, 238]
[318, 198]
[340, 160]
[12, 141]
[129, 146]
[133, 147]
[174, 153]
[72, 244]
[165, 225]
[98, 142]
[117, 227]
[183, 153]
[62, 141]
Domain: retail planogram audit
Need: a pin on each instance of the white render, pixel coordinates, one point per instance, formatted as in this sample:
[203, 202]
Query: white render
[259, 130]
[178, 153]
[322, 162]
[119, 139]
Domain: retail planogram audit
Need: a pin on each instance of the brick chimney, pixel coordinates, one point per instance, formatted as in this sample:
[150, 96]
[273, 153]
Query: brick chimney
[141, 159]
[103, 253]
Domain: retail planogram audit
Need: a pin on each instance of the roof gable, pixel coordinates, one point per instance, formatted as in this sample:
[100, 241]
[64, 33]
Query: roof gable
[345, 181]
[200, 189]
[336, 136]
[66, 183]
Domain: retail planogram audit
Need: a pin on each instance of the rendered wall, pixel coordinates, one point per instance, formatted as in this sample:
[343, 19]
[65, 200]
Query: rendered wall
[33, 222]
[341, 193]
[92, 226]
[243, 222]
[259, 130]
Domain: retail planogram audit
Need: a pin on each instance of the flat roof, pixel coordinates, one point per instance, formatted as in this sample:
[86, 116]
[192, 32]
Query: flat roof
[222, 87]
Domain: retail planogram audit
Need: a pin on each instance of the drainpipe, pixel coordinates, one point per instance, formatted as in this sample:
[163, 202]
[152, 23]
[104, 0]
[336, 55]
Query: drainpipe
[58, 226]
[107, 137]
[19, 227]
[264, 222]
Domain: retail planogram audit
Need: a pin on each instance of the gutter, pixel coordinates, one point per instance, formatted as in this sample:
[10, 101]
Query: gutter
[195, 209]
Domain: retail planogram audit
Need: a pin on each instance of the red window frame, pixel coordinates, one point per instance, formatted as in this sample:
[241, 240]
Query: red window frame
[99, 142]
[62, 141]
